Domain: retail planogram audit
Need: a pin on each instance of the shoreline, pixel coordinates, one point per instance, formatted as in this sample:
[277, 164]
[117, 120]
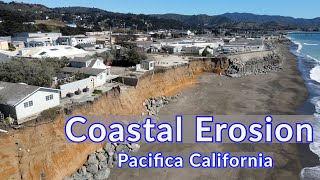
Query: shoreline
[306, 64]
[275, 93]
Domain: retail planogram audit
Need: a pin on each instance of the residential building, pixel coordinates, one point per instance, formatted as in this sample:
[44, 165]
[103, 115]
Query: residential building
[145, 65]
[76, 40]
[86, 47]
[243, 45]
[85, 40]
[87, 62]
[100, 76]
[4, 57]
[49, 51]
[99, 33]
[4, 45]
[67, 41]
[37, 39]
[91, 67]
[23, 102]
[173, 49]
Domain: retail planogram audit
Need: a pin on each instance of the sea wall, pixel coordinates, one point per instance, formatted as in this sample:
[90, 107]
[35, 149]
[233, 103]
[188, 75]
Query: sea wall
[246, 63]
[41, 152]
[253, 63]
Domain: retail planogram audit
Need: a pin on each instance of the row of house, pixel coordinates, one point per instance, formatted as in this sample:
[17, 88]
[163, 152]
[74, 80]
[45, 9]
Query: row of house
[243, 45]
[23, 102]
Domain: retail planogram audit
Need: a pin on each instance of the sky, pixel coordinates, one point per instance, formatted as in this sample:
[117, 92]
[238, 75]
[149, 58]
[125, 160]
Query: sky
[294, 8]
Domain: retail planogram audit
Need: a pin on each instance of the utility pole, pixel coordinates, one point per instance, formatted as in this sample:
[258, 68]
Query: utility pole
[110, 34]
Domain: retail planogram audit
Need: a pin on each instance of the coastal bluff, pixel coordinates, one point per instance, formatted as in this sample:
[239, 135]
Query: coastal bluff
[40, 151]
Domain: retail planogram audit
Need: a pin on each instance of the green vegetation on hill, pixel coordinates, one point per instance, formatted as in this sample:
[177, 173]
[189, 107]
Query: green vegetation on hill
[93, 19]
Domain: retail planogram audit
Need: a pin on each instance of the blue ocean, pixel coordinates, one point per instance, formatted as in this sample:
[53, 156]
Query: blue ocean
[307, 49]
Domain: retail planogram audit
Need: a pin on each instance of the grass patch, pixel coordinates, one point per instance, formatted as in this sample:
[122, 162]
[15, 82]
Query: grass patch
[96, 91]
[51, 113]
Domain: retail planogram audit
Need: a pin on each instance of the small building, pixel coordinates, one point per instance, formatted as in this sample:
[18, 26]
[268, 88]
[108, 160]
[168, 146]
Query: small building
[67, 40]
[4, 57]
[85, 40]
[23, 102]
[49, 51]
[87, 62]
[90, 67]
[4, 45]
[86, 47]
[243, 45]
[145, 65]
[37, 39]
[76, 40]
[100, 75]
[173, 49]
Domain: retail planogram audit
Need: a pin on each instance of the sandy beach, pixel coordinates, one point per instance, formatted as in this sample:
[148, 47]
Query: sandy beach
[276, 93]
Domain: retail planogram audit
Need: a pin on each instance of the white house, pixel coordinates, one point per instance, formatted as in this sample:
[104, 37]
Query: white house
[23, 102]
[37, 39]
[87, 62]
[96, 72]
[49, 51]
[145, 65]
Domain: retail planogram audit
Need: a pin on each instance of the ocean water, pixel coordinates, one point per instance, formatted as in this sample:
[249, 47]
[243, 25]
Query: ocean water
[307, 50]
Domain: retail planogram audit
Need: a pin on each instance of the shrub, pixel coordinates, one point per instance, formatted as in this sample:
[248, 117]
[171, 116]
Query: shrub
[96, 91]
[51, 113]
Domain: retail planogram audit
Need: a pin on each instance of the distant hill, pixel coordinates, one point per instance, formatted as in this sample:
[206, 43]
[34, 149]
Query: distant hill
[234, 19]
[260, 19]
[198, 20]
[14, 16]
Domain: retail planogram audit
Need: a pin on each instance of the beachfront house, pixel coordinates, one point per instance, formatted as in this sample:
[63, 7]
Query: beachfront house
[23, 102]
[95, 72]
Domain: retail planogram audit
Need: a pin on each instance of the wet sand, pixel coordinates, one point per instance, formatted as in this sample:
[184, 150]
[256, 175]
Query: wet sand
[276, 93]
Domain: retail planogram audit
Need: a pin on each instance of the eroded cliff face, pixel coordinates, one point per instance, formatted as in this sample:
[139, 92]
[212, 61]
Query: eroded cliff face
[41, 152]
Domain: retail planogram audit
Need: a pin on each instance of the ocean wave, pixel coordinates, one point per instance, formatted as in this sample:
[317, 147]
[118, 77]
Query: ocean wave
[315, 73]
[311, 44]
[312, 58]
[300, 46]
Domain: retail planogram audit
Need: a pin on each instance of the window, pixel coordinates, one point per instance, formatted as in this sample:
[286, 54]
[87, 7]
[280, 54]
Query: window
[50, 97]
[28, 104]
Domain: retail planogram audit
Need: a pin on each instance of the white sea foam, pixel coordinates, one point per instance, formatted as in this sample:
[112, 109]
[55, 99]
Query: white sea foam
[299, 46]
[315, 73]
[310, 173]
[310, 44]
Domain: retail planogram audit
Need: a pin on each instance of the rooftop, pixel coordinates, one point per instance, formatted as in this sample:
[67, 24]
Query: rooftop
[13, 93]
[54, 51]
[87, 71]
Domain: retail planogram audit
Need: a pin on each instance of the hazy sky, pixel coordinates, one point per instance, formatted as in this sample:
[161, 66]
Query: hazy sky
[294, 8]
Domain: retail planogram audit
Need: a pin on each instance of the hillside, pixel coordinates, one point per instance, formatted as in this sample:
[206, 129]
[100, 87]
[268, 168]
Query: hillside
[15, 15]
[198, 20]
[248, 17]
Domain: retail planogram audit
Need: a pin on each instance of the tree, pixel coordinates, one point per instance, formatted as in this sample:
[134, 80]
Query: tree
[107, 56]
[206, 52]
[37, 72]
[136, 56]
